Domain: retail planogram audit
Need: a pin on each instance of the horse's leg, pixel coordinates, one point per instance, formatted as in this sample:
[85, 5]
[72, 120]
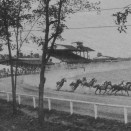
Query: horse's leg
[82, 85]
[73, 88]
[108, 92]
[89, 89]
[61, 85]
[112, 91]
[122, 92]
[116, 91]
[96, 90]
[99, 90]
[127, 92]
[105, 91]
[58, 88]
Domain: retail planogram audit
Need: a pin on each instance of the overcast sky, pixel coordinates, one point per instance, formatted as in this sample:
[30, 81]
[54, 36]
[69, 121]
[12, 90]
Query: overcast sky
[108, 41]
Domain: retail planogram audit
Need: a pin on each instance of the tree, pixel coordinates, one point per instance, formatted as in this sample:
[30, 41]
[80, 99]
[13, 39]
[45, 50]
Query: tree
[53, 14]
[121, 19]
[11, 17]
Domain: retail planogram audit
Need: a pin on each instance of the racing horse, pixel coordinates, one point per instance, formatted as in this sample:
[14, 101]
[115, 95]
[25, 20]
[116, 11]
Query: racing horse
[121, 87]
[90, 84]
[104, 87]
[60, 83]
[74, 85]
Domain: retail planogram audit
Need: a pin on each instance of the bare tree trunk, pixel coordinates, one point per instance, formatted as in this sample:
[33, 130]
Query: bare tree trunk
[16, 64]
[43, 66]
[13, 89]
[12, 75]
[17, 43]
[6, 24]
[16, 68]
[41, 92]
[45, 58]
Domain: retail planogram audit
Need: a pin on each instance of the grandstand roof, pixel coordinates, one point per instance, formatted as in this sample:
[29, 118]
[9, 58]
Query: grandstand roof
[72, 48]
[69, 57]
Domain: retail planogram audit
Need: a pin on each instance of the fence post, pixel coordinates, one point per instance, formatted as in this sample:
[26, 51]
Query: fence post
[95, 110]
[49, 104]
[8, 97]
[19, 99]
[125, 115]
[34, 102]
[71, 107]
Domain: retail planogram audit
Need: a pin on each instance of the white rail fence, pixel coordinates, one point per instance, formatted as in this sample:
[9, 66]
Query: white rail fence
[70, 104]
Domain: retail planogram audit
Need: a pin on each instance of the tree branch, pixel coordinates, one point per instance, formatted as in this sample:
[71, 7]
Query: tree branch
[57, 31]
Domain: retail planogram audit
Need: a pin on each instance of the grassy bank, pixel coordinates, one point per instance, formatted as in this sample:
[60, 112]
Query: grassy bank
[26, 120]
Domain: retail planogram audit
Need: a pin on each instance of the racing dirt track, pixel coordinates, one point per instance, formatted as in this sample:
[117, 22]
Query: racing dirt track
[29, 85]
[83, 95]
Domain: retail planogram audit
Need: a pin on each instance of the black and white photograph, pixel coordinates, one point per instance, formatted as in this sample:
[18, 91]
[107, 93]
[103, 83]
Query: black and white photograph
[65, 65]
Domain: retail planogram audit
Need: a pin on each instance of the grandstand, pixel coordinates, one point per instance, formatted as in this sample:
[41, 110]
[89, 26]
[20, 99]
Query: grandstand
[71, 54]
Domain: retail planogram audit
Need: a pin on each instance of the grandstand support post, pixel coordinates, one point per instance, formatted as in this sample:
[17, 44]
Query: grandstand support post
[84, 54]
[34, 102]
[49, 104]
[125, 115]
[71, 107]
[95, 111]
[8, 97]
[87, 55]
[19, 99]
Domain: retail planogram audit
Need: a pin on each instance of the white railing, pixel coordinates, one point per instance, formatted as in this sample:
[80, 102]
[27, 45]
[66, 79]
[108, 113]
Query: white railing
[71, 103]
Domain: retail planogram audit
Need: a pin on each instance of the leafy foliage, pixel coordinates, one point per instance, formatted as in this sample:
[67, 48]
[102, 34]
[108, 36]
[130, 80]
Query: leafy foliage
[53, 14]
[121, 19]
[12, 15]
[56, 23]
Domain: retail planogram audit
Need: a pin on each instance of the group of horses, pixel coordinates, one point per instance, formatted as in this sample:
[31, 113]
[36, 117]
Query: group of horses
[106, 88]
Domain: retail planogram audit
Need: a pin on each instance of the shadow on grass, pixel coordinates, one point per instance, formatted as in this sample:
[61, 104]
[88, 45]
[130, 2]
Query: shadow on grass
[54, 121]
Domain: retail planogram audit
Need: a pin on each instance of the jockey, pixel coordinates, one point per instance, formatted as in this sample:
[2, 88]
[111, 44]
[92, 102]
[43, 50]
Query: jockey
[123, 83]
[84, 80]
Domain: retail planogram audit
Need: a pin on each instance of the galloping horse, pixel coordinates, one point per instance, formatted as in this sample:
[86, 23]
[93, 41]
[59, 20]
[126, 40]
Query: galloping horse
[59, 84]
[74, 85]
[121, 87]
[113, 87]
[128, 85]
[102, 87]
[90, 84]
